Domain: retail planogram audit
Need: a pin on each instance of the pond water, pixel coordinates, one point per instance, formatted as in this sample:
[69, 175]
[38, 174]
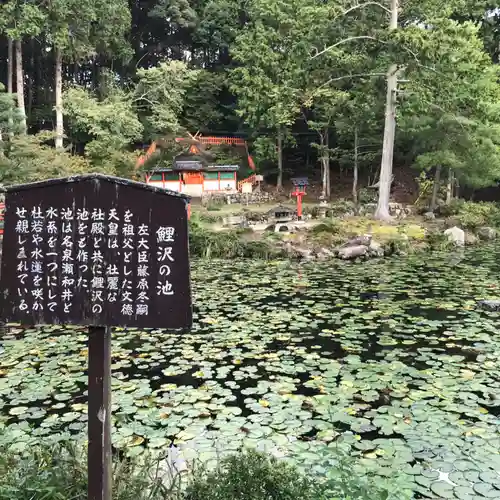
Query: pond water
[390, 361]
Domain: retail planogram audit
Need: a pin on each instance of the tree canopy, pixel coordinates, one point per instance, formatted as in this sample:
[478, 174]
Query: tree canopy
[102, 79]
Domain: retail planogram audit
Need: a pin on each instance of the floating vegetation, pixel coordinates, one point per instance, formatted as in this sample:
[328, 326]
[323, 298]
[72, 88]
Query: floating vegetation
[392, 362]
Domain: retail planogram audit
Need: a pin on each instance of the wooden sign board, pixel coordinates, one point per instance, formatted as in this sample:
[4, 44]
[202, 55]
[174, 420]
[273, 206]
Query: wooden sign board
[96, 250]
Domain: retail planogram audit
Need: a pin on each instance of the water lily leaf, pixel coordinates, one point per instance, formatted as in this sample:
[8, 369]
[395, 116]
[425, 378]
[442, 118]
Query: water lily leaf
[442, 489]
[486, 490]
[18, 411]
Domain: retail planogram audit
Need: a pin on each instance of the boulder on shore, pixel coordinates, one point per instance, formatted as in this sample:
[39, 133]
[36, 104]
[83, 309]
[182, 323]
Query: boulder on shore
[486, 233]
[347, 253]
[456, 236]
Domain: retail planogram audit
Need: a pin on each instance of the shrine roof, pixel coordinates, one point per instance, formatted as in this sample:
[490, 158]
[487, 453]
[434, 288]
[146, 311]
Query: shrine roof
[208, 168]
[98, 177]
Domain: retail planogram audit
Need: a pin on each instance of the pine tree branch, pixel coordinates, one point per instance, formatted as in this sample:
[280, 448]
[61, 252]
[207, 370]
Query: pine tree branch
[356, 75]
[350, 39]
[366, 4]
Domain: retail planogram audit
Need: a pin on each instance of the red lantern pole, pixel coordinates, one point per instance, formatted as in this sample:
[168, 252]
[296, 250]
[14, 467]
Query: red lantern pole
[299, 205]
[299, 193]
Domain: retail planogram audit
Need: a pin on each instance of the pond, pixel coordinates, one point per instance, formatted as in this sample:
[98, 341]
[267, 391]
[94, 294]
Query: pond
[390, 361]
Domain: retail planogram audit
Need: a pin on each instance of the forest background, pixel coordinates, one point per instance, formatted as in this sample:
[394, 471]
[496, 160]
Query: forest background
[87, 84]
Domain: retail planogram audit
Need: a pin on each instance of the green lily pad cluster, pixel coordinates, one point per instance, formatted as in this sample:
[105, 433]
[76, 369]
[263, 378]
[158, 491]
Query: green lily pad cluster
[389, 362]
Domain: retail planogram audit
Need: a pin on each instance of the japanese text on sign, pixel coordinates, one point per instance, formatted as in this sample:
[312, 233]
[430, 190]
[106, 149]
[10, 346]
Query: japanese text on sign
[105, 255]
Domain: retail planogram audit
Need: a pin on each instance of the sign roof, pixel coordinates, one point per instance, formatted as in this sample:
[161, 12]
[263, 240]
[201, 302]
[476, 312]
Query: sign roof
[96, 176]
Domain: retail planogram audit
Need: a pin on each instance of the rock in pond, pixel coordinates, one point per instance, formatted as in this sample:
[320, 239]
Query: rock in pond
[491, 305]
[324, 254]
[487, 233]
[353, 252]
[456, 235]
[375, 249]
[470, 239]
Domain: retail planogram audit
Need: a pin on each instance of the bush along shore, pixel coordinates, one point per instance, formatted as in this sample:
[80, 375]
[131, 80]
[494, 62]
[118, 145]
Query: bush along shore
[59, 473]
[335, 232]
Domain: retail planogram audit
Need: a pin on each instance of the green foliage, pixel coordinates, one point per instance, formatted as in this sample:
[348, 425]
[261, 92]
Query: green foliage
[59, 472]
[271, 63]
[111, 123]
[47, 473]
[206, 243]
[264, 152]
[367, 195]
[30, 158]
[10, 116]
[426, 186]
[160, 93]
[177, 12]
[437, 241]
[80, 27]
[20, 18]
[471, 215]
[201, 108]
[278, 66]
[397, 245]
[328, 233]
[253, 476]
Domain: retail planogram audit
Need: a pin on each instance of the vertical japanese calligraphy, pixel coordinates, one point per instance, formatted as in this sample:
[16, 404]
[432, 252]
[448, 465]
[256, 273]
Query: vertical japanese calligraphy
[75, 261]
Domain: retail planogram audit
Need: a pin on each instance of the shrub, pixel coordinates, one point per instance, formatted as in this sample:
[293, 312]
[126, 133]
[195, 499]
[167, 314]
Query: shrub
[252, 476]
[329, 226]
[226, 244]
[59, 473]
[475, 214]
[367, 195]
[397, 245]
[341, 208]
[437, 241]
[208, 218]
[452, 209]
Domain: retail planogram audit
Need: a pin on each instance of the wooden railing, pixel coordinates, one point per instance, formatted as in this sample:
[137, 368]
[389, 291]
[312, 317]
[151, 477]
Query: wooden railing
[249, 180]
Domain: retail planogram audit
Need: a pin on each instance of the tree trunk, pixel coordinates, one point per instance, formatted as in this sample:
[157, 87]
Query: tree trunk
[327, 164]
[59, 108]
[435, 189]
[31, 82]
[20, 84]
[10, 77]
[10, 67]
[355, 176]
[279, 182]
[449, 186]
[385, 181]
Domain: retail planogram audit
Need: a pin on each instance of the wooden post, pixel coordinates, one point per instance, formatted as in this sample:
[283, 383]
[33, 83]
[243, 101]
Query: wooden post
[99, 414]
[299, 205]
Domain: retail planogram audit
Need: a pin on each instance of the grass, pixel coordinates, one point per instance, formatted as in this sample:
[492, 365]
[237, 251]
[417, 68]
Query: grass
[59, 473]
